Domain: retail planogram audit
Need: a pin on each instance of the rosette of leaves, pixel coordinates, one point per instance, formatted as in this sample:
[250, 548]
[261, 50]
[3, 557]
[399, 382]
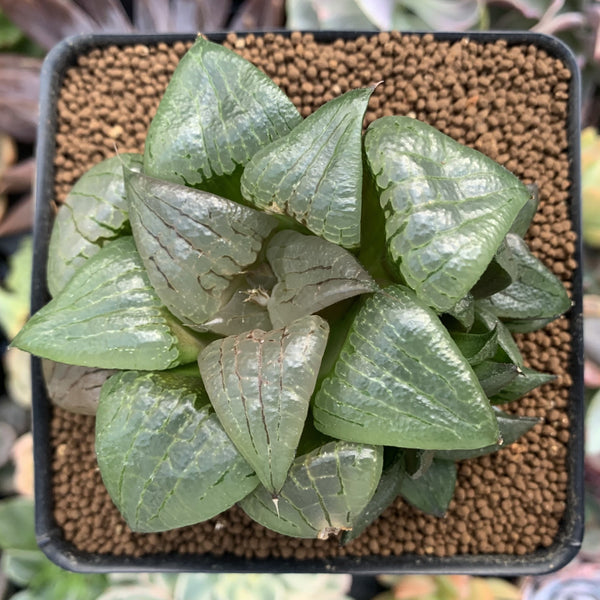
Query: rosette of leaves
[305, 319]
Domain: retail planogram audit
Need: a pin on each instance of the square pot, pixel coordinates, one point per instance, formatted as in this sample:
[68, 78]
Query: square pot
[513, 96]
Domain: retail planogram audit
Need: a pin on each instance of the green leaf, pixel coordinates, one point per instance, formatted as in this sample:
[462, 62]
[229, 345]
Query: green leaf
[524, 382]
[109, 316]
[508, 351]
[163, 455]
[447, 206]
[16, 524]
[432, 492]
[401, 381]
[260, 384]
[386, 492]
[464, 311]
[511, 427]
[94, 212]
[534, 299]
[217, 111]
[245, 311]
[499, 274]
[495, 376]
[324, 493]
[476, 347]
[314, 174]
[526, 214]
[312, 274]
[195, 245]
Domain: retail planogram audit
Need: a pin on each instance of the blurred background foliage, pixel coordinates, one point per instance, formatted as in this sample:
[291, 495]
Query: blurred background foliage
[30, 28]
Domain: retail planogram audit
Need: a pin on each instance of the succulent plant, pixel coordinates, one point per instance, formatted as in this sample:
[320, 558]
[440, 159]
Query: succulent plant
[291, 335]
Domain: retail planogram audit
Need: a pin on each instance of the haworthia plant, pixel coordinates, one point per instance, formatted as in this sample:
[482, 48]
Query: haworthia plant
[286, 318]
[324, 492]
[109, 316]
[217, 111]
[163, 454]
[94, 212]
[447, 207]
[314, 174]
[260, 384]
[401, 381]
[174, 226]
[311, 275]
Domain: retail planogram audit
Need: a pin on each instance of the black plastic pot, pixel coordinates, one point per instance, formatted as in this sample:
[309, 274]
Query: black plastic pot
[49, 535]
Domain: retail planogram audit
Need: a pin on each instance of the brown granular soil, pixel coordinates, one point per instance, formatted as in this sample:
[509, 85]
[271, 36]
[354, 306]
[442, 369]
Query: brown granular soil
[510, 102]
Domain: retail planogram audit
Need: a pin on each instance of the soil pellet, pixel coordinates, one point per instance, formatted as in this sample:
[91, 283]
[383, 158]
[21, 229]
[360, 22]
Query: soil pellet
[508, 102]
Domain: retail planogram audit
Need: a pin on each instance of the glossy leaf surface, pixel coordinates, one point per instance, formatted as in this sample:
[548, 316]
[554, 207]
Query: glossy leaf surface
[195, 245]
[523, 383]
[508, 351]
[511, 427]
[432, 492]
[324, 493]
[111, 318]
[260, 384]
[217, 111]
[94, 211]
[448, 207]
[312, 274]
[526, 214]
[163, 455]
[495, 376]
[534, 299]
[386, 492]
[476, 347]
[314, 174]
[401, 381]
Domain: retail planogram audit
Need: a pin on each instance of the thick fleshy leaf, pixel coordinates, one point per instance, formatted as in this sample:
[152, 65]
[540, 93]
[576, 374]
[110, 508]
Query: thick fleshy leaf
[386, 492]
[495, 376]
[163, 455]
[526, 214]
[324, 493]
[500, 273]
[314, 174]
[508, 351]
[245, 311]
[511, 427]
[312, 274]
[401, 381]
[109, 316]
[94, 212]
[534, 299]
[260, 384]
[524, 382]
[464, 311]
[195, 245]
[476, 347]
[74, 388]
[432, 492]
[448, 207]
[217, 111]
